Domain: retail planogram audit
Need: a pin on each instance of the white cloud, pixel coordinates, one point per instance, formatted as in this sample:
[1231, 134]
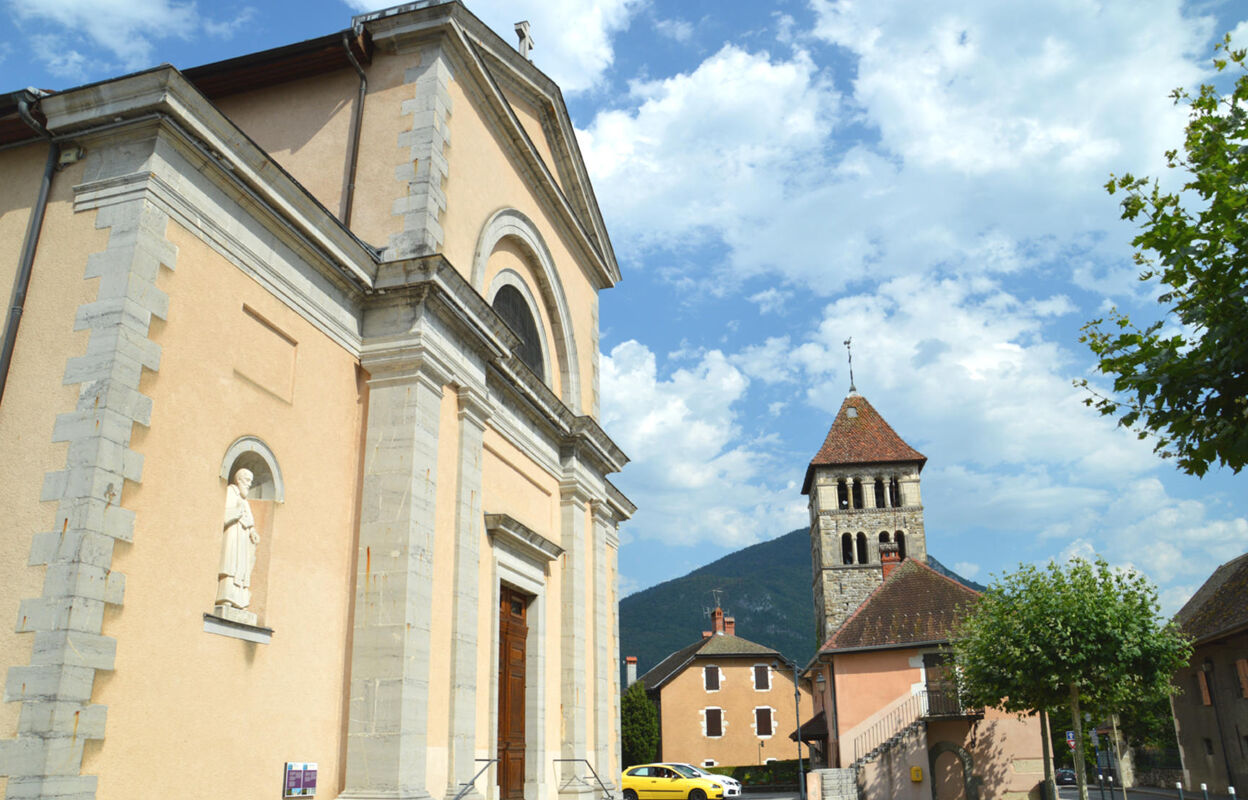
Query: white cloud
[572, 39]
[966, 569]
[771, 301]
[126, 29]
[678, 30]
[702, 478]
[972, 142]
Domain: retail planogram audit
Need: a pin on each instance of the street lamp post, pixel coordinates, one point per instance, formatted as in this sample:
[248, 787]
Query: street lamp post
[797, 714]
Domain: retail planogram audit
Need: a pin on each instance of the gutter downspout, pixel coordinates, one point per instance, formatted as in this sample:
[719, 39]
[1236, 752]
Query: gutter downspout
[22, 281]
[353, 147]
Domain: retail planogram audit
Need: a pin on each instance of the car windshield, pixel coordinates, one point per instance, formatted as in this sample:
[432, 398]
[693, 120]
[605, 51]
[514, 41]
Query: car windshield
[686, 771]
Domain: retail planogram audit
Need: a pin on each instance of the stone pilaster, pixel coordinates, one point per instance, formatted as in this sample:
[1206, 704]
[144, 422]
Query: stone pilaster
[573, 673]
[604, 665]
[469, 519]
[57, 716]
[426, 170]
[388, 728]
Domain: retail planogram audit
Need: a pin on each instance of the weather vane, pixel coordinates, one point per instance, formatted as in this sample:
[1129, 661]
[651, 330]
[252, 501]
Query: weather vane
[849, 349]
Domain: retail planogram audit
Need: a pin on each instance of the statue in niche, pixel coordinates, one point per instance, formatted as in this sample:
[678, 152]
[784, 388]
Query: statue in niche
[238, 552]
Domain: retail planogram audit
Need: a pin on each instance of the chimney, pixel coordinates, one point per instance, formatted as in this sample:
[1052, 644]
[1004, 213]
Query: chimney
[631, 670]
[889, 557]
[730, 626]
[717, 621]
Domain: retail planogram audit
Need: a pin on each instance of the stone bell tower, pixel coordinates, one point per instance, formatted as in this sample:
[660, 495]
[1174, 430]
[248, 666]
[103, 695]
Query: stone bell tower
[865, 510]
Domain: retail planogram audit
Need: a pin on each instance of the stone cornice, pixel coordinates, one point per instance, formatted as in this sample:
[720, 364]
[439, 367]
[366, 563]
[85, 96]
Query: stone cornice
[520, 538]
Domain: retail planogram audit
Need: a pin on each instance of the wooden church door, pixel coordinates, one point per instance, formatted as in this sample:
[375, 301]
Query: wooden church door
[512, 634]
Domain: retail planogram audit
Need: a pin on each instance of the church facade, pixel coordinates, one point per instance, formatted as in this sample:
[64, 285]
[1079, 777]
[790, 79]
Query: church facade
[306, 491]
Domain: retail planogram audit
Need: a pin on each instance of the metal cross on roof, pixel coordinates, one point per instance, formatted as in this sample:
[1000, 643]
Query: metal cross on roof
[849, 349]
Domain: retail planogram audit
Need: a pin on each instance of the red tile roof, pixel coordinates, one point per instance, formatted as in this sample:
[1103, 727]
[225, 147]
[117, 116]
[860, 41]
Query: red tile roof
[1218, 608]
[914, 605]
[859, 435]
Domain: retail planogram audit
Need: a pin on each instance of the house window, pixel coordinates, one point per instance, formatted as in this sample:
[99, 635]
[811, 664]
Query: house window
[710, 678]
[1241, 666]
[771, 760]
[862, 548]
[879, 493]
[1202, 683]
[847, 548]
[842, 494]
[894, 489]
[762, 677]
[857, 491]
[900, 539]
[710, 762]
[1208, 747]
[762, 721]
[714, 722]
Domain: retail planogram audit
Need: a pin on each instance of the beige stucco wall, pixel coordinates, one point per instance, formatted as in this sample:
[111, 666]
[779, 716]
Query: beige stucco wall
[1006, 753]
[217, 711]
[866, 682]
[482, 180]
[531, 121]
[22, 168]
[34, 396]
[683, 724]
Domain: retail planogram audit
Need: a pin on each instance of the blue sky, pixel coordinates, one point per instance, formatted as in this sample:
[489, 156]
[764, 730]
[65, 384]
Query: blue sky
[779, 176]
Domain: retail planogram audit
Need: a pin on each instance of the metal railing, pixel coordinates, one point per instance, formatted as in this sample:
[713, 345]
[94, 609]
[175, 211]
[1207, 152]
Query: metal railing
[927, 704]
[606, 793]
[473, 781]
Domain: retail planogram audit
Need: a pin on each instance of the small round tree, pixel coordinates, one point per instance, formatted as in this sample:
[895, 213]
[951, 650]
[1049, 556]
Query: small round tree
[639, 726]
[1080, 635]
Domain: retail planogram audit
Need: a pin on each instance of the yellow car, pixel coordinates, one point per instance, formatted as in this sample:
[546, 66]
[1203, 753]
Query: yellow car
[668, 782]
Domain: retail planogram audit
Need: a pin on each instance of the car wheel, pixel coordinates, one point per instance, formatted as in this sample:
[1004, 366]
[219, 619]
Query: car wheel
[697, 794]
[629, 794]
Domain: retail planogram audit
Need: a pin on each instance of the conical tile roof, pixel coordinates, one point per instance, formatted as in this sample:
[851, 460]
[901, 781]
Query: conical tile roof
[859, 435]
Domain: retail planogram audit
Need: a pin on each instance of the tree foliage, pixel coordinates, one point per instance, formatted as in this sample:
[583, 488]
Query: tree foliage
[1184, 378]
[1080, 636]
[639, 726]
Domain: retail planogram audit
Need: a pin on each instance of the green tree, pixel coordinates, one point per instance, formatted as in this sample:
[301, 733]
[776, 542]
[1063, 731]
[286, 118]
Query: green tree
[1080, 636]
[1184, 378]
[639, 726]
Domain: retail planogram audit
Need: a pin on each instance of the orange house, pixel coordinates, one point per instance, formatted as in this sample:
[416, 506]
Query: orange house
[724, 700]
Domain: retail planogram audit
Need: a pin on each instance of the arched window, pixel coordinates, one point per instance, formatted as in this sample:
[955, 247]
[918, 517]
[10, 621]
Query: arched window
[879, 493]
[842, 494]
[894, 487]
[862, 549]
[511, 306]
[857, 493]
[883, 537]
[847, 548]
[900, 539]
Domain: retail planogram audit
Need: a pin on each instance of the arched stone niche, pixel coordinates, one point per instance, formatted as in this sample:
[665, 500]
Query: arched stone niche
[267, 490]
[511, 223]
[250, 452]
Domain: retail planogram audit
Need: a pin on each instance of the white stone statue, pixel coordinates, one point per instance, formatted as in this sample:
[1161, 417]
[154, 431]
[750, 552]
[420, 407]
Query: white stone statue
[238, 552]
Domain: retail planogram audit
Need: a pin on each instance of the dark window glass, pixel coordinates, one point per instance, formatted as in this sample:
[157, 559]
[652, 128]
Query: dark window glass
[895, 486]
[901, 545]
[714, 722]
[842, 494]
[762, 721]
[857, 493]
[847, 548]
[510, 305]
[762, 677]
[862, 548]
[711, 675]
[879, 493]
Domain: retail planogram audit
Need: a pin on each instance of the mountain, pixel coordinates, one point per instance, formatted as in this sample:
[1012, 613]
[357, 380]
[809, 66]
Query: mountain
[766, 587]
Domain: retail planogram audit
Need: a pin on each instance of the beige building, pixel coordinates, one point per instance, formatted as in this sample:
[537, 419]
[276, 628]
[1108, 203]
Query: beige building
[725, 701]
[888, 722]
[1211, 712]
[299, 414]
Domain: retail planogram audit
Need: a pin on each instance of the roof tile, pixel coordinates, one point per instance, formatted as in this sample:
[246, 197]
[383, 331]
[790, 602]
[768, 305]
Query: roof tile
[859, 435]
[1218, 607]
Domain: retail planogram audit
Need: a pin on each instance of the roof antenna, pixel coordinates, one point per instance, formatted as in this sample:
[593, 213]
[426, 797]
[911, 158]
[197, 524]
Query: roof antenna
[849, 348]
[715, 593]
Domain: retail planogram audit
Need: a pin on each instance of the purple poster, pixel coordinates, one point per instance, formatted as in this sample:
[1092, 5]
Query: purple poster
[294, 779]
[309, 779]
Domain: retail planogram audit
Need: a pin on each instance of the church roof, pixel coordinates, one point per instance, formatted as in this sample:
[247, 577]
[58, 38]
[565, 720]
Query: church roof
[859, 435]
[716, 646]
[914, 605]
[1218, 606]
